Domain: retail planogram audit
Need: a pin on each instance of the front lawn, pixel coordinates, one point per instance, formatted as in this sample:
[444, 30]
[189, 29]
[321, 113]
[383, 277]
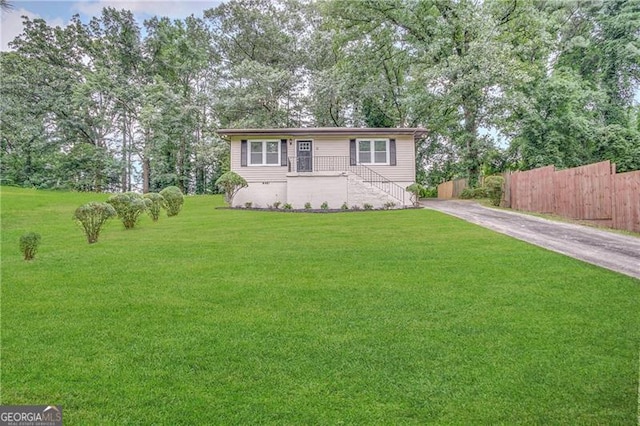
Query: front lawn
[242, 317]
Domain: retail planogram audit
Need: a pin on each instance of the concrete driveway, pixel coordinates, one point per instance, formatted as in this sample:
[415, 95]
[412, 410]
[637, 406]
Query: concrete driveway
[610, 250]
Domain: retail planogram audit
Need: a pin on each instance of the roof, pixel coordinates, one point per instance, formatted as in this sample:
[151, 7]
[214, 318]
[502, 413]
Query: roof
[336, 131]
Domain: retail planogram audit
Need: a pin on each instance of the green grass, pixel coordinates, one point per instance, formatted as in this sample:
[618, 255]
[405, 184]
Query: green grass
[241, 317]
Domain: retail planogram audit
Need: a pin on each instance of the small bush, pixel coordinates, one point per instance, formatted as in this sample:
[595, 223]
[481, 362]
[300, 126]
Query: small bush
[129, 206]
[324, 206]
[344, 206]
[230, 183]
[368, 206]
[154, 205]
[173, 200]
[493, 186]
[248, 205]
[29, 243]
[388, 205]
[277, 204]
[429, 193]
[355, 207]
[287, 206]
[307, 206]
[92, 216]
[415, 189]
[473, 193]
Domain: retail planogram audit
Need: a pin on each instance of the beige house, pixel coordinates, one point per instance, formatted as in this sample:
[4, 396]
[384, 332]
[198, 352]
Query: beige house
[356, 166]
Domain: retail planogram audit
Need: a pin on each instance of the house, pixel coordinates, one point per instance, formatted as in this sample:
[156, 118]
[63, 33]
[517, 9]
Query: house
[356, 166]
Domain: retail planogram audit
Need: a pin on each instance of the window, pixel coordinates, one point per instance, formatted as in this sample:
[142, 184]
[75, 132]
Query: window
[264, 153]
[373, 151]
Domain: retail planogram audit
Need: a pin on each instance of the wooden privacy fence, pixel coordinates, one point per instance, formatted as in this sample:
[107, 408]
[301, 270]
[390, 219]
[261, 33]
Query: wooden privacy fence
[452, 188]
[594, 192]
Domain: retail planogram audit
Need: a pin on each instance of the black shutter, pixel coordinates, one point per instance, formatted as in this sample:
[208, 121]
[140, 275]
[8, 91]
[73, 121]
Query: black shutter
[283, 152]
[392, 152]
[243, 153]
[352, 151]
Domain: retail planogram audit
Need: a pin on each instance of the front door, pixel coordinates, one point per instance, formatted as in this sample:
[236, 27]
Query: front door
[305, 156]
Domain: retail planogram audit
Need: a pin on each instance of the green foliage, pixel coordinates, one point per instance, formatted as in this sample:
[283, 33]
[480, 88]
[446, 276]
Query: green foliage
[248, 205]
[367, 206]
[474, 193]
[29, 243]
[416, 190]
[355, 207]
[287, 206]
[91, 216]
[429, 192]
[276, 204]
[230, 183]
[494, 186]
[154, 205]
[173, 200]
[307, 206]
[344, 206]
[324, 205]
[129, 206]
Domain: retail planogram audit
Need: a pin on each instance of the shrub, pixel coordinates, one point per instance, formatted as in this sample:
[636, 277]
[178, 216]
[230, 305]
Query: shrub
[344, 206]
[248, 205]
[287, 206]
[92, 216]
[29, 243]
[493, 186]
[154, 205]
[276, 205]
[324, 206]
[416, 190]
[173, 200]
[388, 205]
[367, 206]
[429, 192]
[475, 193]
[129, 206]
[355, 207]
[307, 206]
[230, 183]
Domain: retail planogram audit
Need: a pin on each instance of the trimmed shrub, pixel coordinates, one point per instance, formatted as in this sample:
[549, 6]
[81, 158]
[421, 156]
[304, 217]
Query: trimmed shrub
[154, 206]
[29, 243]
[129, 206]
[493, 186]
[92, 216]
[230, 183]
[416, 190]
[173, 200]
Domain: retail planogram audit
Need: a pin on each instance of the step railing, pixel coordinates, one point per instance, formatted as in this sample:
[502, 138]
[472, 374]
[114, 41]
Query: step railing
[343, 164]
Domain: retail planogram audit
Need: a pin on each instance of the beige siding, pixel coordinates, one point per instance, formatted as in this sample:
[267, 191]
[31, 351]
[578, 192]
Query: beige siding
[324, 145]
[256, 173]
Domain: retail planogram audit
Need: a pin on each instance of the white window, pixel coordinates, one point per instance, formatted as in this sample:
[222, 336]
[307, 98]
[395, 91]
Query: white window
[373, 151]
[264, 153]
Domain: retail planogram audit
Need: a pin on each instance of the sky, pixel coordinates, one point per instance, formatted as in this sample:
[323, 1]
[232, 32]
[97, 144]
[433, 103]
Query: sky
[58, 13]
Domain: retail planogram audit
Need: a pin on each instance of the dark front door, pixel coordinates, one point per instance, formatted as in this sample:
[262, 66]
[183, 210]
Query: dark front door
[305, 156]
